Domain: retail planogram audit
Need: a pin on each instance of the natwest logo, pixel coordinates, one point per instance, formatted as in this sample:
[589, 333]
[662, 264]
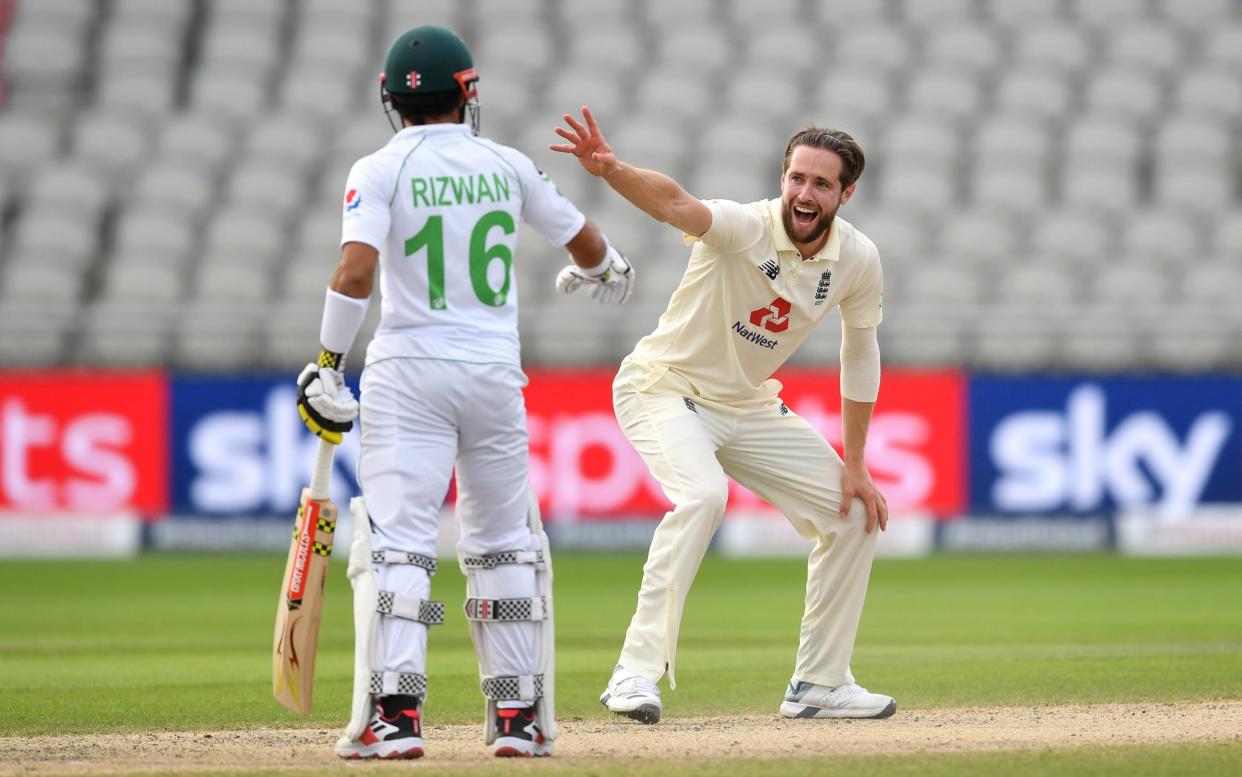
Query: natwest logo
[774, 317]
[88, 443]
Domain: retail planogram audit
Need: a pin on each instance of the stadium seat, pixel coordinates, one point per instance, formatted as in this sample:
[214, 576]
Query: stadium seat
[1167, 237]
[1015, 191]
[875, 46]
[1194, 141]
[571, 89]
[68, 186]
[704, 49]
[1131, 285]
[948, 92]
[936, 13]
[1197, 15]
[172, 185]
[1105, 13]
[1101, 340]
[1215, 284]
[142, 279]
[1227, 234]
[980, 239]
[922, 340]
[113, 144]
[612, 50]
[854, 96]
[27, 279]
[243, 232]
[1108, 190]
[117, 335]
[231, 95]
[1033, 91]
[769, 42]
[1057, 47]
[1004, 140]
[197, 138]
[1130, 95]
[926, 191]
[1073, 235]
[1222, 45]
[1144, 45]
[1204, 192]
[136, 89]
[153, 46]
[44, 236]
[271, 189]
[27, 141]
[524, 49]
[944, 287]
[1019, 15]
[35, 332]
[323, 95]
[674, 91]
[1102, 140]
[1040, 284]
[901, 236]
[153, 229]
[1210, 90]
[227, 277]
[216, 338]
[1188, 341]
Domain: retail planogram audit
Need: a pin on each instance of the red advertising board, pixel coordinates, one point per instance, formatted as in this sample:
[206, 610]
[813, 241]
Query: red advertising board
[582, 465]
[83, 442]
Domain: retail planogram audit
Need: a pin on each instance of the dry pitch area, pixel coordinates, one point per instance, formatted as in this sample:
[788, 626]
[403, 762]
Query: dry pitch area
[587, 742]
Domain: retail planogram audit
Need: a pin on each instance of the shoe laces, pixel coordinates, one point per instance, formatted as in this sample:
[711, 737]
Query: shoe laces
[636, 682]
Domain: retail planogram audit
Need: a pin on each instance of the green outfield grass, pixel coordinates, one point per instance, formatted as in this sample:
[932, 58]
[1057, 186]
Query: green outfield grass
[183, 641]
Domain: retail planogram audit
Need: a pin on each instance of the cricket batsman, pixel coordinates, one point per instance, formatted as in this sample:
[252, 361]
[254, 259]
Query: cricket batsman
[697, 401]
[438, 209]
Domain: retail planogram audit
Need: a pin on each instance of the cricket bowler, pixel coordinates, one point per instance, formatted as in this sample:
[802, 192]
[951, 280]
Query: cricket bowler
[697, 401]
[438, 209]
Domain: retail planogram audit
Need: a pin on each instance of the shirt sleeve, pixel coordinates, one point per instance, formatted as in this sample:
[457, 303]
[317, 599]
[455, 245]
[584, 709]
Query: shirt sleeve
[734, 227]
[365, 216]
[543, 206]
[864, 305]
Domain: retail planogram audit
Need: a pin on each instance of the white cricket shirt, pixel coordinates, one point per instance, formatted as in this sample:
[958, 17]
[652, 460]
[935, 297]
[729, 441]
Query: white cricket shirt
[748, 300]
[443, 209]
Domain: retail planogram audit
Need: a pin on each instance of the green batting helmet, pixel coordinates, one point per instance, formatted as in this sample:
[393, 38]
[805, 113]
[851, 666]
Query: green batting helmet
[429, 59]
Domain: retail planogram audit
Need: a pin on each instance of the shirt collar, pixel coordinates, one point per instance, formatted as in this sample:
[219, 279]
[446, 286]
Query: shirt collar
[831, 250]
[456, 128]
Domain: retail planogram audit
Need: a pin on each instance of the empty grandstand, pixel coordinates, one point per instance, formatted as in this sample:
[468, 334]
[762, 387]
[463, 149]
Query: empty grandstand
[1053, 184]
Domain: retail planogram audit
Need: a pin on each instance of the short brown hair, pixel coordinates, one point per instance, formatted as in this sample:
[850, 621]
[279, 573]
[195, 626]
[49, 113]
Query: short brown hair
[839, 142]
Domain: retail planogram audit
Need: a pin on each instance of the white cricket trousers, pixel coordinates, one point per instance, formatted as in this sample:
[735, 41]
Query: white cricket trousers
[690, 446]
[421, 418]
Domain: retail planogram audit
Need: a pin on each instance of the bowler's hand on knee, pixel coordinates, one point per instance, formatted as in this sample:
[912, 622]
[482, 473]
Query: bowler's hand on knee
[856, 482]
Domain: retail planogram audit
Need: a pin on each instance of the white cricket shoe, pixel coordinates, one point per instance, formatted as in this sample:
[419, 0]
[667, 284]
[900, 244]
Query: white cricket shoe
[632, 695]
[807, 700]
[393, 733]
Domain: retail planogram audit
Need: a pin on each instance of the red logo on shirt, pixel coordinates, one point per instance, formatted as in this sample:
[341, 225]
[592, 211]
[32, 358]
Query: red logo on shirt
[774, 317]
[352, 200]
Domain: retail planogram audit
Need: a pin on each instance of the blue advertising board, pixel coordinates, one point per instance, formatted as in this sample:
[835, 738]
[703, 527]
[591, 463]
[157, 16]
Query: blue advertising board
[1079, 446]
[239, 448]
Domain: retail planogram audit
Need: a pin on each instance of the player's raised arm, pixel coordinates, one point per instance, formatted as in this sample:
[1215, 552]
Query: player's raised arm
[653, 192]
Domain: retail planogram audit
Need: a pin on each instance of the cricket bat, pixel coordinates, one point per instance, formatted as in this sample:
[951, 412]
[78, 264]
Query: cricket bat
[300, 605]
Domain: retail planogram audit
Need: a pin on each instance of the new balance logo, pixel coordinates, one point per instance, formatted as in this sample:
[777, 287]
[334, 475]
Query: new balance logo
[770, 268]
[774, 317]
[784, 410]
[690, 404]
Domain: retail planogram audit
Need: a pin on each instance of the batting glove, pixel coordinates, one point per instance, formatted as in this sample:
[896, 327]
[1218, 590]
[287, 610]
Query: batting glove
[611, 282]
[326, 404]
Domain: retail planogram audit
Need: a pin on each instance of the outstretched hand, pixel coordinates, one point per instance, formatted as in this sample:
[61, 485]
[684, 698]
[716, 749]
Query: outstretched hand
[587, 143]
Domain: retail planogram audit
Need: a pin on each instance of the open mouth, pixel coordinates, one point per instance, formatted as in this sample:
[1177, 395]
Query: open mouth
[803, 217]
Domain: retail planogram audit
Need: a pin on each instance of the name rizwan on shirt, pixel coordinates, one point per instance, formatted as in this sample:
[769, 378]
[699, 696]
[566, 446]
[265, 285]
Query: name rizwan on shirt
[459, 189]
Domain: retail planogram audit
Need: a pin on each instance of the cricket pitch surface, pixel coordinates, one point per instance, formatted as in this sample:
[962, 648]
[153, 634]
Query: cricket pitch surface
[674, 739]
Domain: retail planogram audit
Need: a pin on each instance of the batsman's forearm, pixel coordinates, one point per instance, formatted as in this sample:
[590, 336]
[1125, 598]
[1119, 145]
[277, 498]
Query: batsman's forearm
[653, 192]
[855, 421]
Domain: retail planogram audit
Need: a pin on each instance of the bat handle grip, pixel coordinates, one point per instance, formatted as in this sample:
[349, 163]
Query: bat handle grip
[321, 478]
